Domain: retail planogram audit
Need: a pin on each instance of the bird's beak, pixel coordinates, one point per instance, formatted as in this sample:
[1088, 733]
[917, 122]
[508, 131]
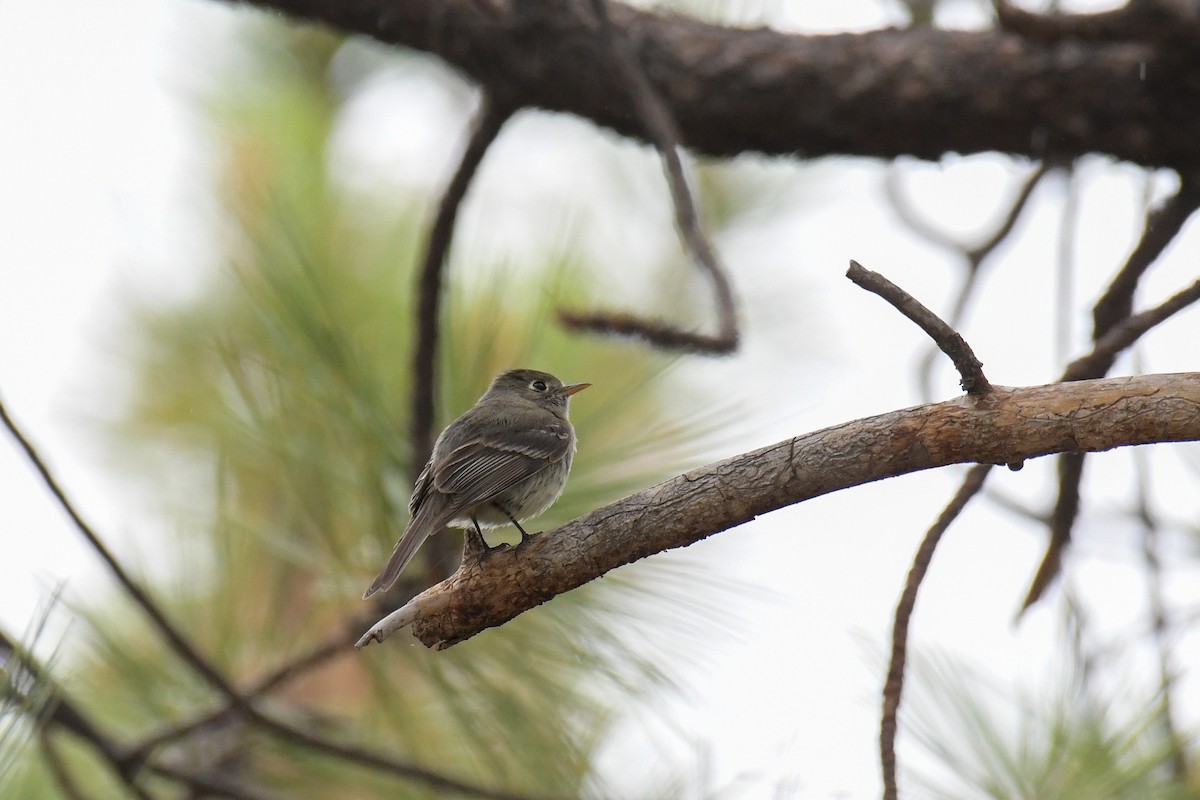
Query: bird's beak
[567, 391]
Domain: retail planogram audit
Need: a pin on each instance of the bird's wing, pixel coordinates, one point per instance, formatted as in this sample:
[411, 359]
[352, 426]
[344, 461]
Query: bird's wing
[420, 489]
[473, 473]
[479, 470]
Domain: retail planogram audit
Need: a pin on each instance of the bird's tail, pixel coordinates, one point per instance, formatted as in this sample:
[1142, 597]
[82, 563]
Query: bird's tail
[426, 521]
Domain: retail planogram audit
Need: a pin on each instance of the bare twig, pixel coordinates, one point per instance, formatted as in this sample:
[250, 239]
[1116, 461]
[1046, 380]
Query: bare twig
[489, 119]
[894, 685]
[1115, 331]
[973, 256]
[127, 762]
[222, 715]
[381, 762]
[946, 338]
[1162, 225]
[916, 223]
[658, 334]
[1062, 521]
[661, 128]
[174, 638]
[330, 647]
[1122, 335]
[1090, 366]
[334, 645]
[62, 713]
[977, 254]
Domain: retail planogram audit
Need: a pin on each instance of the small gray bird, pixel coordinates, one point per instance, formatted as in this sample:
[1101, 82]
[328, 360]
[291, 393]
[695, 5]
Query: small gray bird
[506, 459]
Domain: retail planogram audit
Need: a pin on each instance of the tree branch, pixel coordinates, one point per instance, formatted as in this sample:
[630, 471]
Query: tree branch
[662, 130]
[174, 638]
[921, 92]
[973, 256]
[948, 340]
[1099, 361]
[490, 117]
[128, 763]
[1162, 225]
[1007, 425]
[383, 762]
[894, 685]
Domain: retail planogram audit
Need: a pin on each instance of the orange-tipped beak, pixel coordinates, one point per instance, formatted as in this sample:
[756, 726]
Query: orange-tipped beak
[567, 391]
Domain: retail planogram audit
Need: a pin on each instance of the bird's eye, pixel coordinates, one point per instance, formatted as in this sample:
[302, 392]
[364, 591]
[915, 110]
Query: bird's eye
[538, 386]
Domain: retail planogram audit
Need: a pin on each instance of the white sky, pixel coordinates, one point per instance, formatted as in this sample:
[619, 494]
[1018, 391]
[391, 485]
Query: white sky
[102, 186]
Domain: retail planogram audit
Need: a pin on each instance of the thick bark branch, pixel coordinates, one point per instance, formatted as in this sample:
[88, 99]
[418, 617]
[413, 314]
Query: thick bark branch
[920, 92]
[1007, 425]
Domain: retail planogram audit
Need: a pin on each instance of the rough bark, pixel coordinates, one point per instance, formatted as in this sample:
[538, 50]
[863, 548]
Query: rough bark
[1005, 426]
[920, 92]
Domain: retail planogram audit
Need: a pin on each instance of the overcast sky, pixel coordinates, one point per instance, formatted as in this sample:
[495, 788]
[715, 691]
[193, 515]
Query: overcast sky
[104, 192]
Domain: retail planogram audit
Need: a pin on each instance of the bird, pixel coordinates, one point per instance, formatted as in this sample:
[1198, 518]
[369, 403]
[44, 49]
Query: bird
[506, 459]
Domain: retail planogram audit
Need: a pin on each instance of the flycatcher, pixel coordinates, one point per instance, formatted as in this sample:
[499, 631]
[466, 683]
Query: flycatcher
[505, 460]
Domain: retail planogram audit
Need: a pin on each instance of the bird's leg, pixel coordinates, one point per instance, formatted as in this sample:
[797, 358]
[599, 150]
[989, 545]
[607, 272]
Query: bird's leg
[474, 545]
[525, 537]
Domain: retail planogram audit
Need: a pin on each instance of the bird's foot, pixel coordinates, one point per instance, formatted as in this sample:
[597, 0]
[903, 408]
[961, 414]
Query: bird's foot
[525, 537]
[476, 549]
[474, 545]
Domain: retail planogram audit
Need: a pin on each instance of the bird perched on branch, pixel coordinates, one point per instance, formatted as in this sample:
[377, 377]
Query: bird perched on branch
[505, 460]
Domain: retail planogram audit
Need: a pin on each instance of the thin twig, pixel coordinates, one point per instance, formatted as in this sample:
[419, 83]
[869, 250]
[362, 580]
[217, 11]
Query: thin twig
[973, 256]
[380, 761]
[1121, 336]
[977, 254]
[947, 339]
[1095, 364]
[332, 646]
[1161, 227]
[61, 712]
[1062, 521]
[1115, 329]
[916, 223]
[222, 715]
[489, 119]
[664, 132]
[894, 685]
[141, 597]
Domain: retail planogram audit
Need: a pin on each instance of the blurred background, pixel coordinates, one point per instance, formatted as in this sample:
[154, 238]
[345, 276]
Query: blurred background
[212, 218]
